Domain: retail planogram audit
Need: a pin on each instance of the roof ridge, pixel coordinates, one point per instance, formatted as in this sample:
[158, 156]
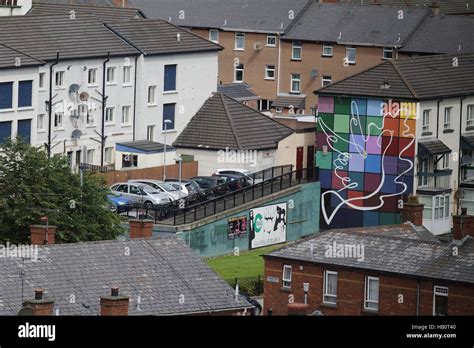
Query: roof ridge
[417, 26]
[298, 16]
[23, 53]
[403, 78]
[229, 117]
[123, 38]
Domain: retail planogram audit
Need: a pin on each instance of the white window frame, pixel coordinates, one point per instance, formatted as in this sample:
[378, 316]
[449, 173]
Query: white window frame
[350, 48]
[274, 37]
[439, 291]
[269, 69]
[368, 279]
[108, 154]
[330, 46]
[110, 75]
[41, 80]
[152, 93]
[296, 46]
[40, 123]
[90, 156]
[242, 36]
[92, 72]
[236, 69]
[150, 132]
[127, 75]
[210, 35]
[447, 117]
[424, 167]
[58, 116]
[326, 78]
[286, 282]
[294, 79]
[385, 51]
[59, 78]
[470, 116]
[326, 295]
[278, 109]
[128, 120]
[90, 117]
[109, 111]
[425, 121]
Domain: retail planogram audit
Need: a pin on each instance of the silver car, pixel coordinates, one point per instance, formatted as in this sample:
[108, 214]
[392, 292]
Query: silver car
[141, 193]
[160, 186]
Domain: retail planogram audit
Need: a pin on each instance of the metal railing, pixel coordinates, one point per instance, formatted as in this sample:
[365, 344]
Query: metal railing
[440, 179]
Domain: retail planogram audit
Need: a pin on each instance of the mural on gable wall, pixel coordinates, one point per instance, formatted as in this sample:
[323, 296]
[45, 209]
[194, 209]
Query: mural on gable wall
[365, 155]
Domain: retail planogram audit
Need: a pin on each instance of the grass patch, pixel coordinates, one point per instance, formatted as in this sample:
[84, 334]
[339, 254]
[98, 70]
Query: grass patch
[247, 264]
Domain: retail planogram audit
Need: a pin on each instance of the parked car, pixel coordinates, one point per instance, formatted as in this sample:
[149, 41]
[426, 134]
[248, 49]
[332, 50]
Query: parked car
[190, 188]
[210, 182]
[235, 182]
[119, 204]
[141, 194]
[241, 173]
[161, 186]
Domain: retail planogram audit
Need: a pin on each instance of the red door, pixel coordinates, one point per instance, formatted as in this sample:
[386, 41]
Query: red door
[299, 161]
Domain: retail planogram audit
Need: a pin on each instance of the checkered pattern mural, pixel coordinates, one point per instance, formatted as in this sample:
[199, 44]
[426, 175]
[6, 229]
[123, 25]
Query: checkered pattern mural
[365, 154]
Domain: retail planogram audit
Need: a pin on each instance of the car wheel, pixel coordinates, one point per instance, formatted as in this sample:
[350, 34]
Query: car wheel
[148, 205]
[113, 208]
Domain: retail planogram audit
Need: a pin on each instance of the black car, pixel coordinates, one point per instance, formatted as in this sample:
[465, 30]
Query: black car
[211, 182]
[235, 182]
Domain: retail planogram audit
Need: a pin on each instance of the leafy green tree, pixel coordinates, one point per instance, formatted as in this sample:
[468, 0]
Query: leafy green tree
[33, 185]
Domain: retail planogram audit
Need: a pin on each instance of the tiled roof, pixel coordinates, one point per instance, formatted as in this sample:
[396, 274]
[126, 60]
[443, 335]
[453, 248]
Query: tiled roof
[237, 91]
[156, 271]
[10, 57]
[446, 6]
[388, 249]
[432, 147]
[355, 24]
[223, 122]
[286, 101]
[419, 78]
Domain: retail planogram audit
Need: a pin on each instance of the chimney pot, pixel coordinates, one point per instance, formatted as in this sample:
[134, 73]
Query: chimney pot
[114, 291]
[114, 305]
[40, 306]
[141, 228]
[39, 294]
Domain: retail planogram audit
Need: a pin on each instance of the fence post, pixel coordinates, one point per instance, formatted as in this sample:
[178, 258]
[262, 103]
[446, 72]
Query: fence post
[195, 213]
[259, 289]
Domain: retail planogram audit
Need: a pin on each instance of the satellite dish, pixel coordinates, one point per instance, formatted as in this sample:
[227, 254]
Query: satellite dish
[466, 160]
[74, 88]
[76, 134]
[314, 73]
[26, 312]
[84, 96]
[257, 46]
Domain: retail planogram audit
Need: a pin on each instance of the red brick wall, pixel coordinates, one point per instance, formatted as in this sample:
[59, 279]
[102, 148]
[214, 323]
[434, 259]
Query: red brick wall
[350, 292]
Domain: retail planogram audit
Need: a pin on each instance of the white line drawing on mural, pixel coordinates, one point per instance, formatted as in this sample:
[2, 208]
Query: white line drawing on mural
[343, 158]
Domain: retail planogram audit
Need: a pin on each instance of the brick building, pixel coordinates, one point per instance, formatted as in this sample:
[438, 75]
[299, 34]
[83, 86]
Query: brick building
[393, 270]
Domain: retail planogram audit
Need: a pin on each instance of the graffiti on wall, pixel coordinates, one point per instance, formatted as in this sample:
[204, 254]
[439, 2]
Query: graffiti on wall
[366, 150]
[268, 225]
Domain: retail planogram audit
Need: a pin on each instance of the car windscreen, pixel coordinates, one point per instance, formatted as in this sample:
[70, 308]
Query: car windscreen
[169, 187]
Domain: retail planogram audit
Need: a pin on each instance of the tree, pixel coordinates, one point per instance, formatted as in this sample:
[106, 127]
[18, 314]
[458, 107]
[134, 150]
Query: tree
[33, 185]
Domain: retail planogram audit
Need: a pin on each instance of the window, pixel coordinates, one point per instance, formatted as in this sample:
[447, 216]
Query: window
[59, 79]
[5, 131]
[127, 75]
[109, 115]
[24, 130]
[445, 161]
[326, 80]
[90, 116]
[278, 109]
[169, 114]
[110, 75]
[40, 122]
[327, 50]
[271, 40]
[25, 91]
[90, 156]
[130, 161]
[440, 300]
[214, 35]
[441, 207]
[447, 117]
[269, 72]
[426, 121]
[239, 41]
[387, 53]
[151, 95]
[150, 133]
[6, 95]
[108, 154]
[423, 167]
[170, 78]
[264, 105]
[82, 110]
[296, 50]
[126, 114]
[295, 83]
[470, 115]
[330, 287]
[371, 300]
[239, 73]
[58, 120]
[286, 276]
[92, 77]
[41, 80]
[351, 54]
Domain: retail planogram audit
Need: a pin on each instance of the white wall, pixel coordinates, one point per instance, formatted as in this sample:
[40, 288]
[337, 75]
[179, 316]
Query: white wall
[146, 160]
[196, 79]
[23, 7]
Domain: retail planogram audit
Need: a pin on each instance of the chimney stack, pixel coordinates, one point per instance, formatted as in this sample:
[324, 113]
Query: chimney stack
[435, 8]
[40, 306]
[297, 309]
[412, 211]
[114, 305]
[42, 234]
[141, 228]
[463, 225]
[376, 3]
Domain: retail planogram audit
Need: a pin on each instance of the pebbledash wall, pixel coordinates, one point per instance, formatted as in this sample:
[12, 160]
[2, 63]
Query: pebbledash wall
[365, 155]
[212, 239]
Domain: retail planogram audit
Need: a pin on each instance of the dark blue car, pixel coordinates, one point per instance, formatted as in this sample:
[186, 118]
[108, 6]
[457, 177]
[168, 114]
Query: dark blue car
[119, 204]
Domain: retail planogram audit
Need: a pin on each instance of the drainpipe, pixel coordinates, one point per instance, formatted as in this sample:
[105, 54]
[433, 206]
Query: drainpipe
[135, 97]
[460, 156]
[50, 106]
[417, 297]
[437, 137]
[104, 103]
[279, 63]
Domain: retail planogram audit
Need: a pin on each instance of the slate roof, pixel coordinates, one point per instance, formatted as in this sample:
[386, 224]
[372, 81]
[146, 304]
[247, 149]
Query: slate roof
[8, 58]
[388, 249]
[419, 78]
[158, 270]
[245, 15]
[237, 91]
[223, 122]
[144, 146]
[446, 6]
[443, 34]
[355, 24]
[153, 37]
[285, 101]
[432, 147]
[108, 13]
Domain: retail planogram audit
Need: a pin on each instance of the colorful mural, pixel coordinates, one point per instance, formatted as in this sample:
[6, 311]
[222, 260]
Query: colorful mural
[365, 155]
